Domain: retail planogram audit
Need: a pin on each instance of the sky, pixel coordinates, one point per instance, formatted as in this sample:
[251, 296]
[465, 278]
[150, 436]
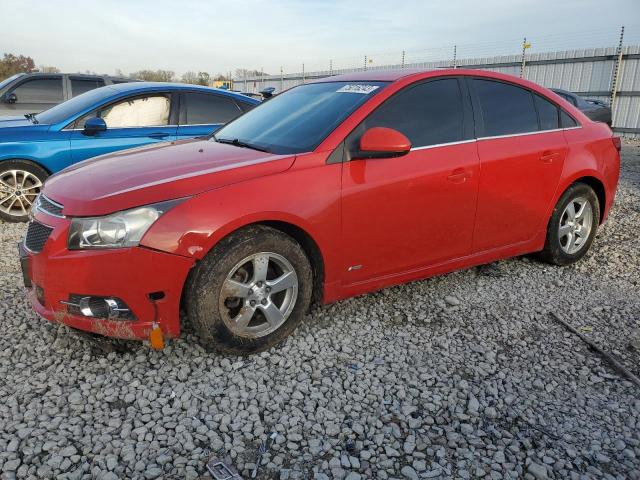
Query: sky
[218, 37]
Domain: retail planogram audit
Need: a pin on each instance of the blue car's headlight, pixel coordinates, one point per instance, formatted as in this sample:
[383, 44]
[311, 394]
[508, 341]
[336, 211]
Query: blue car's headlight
[118, 230]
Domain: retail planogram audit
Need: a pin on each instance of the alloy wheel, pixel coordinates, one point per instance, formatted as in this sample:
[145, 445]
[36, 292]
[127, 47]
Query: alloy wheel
[575, 225]
[18, 191]
[258, 295]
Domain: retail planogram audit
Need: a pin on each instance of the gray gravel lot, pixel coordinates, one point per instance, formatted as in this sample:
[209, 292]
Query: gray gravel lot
[459, 376]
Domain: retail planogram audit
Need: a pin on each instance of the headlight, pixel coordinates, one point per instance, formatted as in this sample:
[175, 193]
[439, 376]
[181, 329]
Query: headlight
[118, 230]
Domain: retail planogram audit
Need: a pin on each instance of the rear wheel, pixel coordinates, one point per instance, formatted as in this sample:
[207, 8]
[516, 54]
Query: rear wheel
[250, 292]
[573, 226]
[20, 183]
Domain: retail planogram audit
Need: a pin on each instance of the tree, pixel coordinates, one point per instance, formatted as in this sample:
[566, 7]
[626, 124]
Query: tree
[12, 64]
[154, 75]
[189, 77]
[204, 78]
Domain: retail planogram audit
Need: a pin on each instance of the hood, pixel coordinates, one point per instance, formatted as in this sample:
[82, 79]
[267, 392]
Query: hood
[155, 173]
[15, 121]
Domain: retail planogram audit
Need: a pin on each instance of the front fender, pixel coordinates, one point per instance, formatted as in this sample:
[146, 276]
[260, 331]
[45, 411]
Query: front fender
[51, 150]
[307, 198]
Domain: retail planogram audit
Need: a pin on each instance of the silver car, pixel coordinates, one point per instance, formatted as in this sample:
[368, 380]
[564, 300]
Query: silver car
[26, 93]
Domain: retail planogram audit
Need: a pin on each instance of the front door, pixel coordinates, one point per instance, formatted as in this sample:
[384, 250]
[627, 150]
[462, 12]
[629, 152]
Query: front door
[131, 122]
[419, 209]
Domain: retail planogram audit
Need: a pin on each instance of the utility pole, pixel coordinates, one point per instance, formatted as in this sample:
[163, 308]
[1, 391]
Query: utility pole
[365, 62]
[455, 56]
[303, 73]
[281, 79]
[525, 45]
[330, 67]
[403, 54]
[616, 76]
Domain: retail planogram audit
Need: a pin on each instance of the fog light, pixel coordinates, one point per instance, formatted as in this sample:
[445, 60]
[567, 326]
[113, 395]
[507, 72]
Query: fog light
[98, 307]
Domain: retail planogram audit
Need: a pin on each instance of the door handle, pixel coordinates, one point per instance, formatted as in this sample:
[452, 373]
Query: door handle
[459, 175]
[158, 135]
[549, 157]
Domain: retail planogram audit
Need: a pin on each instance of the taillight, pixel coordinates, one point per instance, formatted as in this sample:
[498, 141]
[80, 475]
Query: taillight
[617, 143]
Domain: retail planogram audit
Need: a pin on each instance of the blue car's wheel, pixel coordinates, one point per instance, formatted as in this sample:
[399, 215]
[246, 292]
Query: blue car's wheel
[20, 183]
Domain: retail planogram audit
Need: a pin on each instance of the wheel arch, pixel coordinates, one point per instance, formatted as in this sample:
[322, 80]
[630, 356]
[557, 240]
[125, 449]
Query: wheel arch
[593, 180]
[27, 160]
[301, 235]
[598, 188]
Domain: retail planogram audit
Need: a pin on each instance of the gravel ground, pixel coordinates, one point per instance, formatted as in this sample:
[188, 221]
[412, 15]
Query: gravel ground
[460, 376]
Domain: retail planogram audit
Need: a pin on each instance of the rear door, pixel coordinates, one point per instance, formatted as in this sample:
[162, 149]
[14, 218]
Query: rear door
[522, 151]
[131, 122]
[36, 94]
[416, 210]
[202, 113]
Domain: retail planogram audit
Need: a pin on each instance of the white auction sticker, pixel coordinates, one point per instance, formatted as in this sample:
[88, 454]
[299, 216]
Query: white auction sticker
[357, 88]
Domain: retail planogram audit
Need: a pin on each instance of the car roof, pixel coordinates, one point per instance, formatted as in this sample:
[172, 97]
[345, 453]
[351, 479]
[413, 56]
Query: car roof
[151, 86]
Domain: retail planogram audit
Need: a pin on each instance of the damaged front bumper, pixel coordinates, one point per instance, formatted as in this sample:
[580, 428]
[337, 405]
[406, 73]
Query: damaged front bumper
[147, 285]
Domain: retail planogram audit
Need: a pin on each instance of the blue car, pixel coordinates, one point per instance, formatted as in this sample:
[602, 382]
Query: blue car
[100, 121]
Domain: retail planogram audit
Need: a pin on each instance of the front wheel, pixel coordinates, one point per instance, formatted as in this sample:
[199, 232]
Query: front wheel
[20, 183]
[573, 226]
[250, 292]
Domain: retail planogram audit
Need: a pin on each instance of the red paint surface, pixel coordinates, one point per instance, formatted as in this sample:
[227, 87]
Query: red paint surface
[430, 211]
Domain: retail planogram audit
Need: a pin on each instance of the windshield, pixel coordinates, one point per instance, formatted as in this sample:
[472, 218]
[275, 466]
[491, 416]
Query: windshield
[7, 81]
[299, 119]
[63, 111]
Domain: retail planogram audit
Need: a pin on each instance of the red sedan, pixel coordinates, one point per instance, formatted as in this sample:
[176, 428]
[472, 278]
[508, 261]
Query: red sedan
[331, 189]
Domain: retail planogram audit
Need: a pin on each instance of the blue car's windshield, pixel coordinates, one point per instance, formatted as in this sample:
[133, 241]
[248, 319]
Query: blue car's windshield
[300, 119]
[7, 81]
[63, 111]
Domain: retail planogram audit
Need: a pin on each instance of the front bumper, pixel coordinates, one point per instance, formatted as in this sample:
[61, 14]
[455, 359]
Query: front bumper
[131, 274]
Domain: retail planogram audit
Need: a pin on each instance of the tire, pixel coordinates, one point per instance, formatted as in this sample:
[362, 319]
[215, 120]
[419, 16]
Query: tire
[557, 249]
[237, 262]
[16, 203]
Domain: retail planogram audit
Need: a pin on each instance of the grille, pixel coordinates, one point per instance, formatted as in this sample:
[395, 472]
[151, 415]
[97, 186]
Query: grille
[37, 235]
[49, 206]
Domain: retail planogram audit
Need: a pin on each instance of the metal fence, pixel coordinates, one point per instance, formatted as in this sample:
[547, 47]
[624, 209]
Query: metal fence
[611, 74]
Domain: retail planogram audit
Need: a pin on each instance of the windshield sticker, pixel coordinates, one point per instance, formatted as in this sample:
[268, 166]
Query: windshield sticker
[358, 88]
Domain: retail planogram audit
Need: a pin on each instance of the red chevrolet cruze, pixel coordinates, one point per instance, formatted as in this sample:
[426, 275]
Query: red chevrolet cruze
[331, 189]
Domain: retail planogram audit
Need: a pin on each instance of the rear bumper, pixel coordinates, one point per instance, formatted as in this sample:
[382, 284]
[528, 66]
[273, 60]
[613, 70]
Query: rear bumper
[130, 274]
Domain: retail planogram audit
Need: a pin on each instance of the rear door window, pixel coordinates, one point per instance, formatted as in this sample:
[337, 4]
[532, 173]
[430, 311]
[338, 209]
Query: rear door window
[82, 85]
[547, 113]
[566, 121]
[204, 109]
[506, 109]
[430, 113]
[40, 90]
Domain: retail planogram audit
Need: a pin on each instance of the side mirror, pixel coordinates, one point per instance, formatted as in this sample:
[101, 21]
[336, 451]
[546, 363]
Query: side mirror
[382, 142]
[11, 98]
[94, 125]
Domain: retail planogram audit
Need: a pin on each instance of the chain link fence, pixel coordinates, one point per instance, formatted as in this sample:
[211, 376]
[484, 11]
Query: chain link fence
[600, 64]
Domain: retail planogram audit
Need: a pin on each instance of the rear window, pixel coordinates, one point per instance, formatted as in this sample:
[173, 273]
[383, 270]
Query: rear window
[506, 109]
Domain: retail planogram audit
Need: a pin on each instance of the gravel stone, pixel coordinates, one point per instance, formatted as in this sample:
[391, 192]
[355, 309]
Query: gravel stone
[408, 382]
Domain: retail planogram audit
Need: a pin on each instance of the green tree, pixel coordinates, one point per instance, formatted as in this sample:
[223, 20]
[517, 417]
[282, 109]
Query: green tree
[203, 78]
[12, 64]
